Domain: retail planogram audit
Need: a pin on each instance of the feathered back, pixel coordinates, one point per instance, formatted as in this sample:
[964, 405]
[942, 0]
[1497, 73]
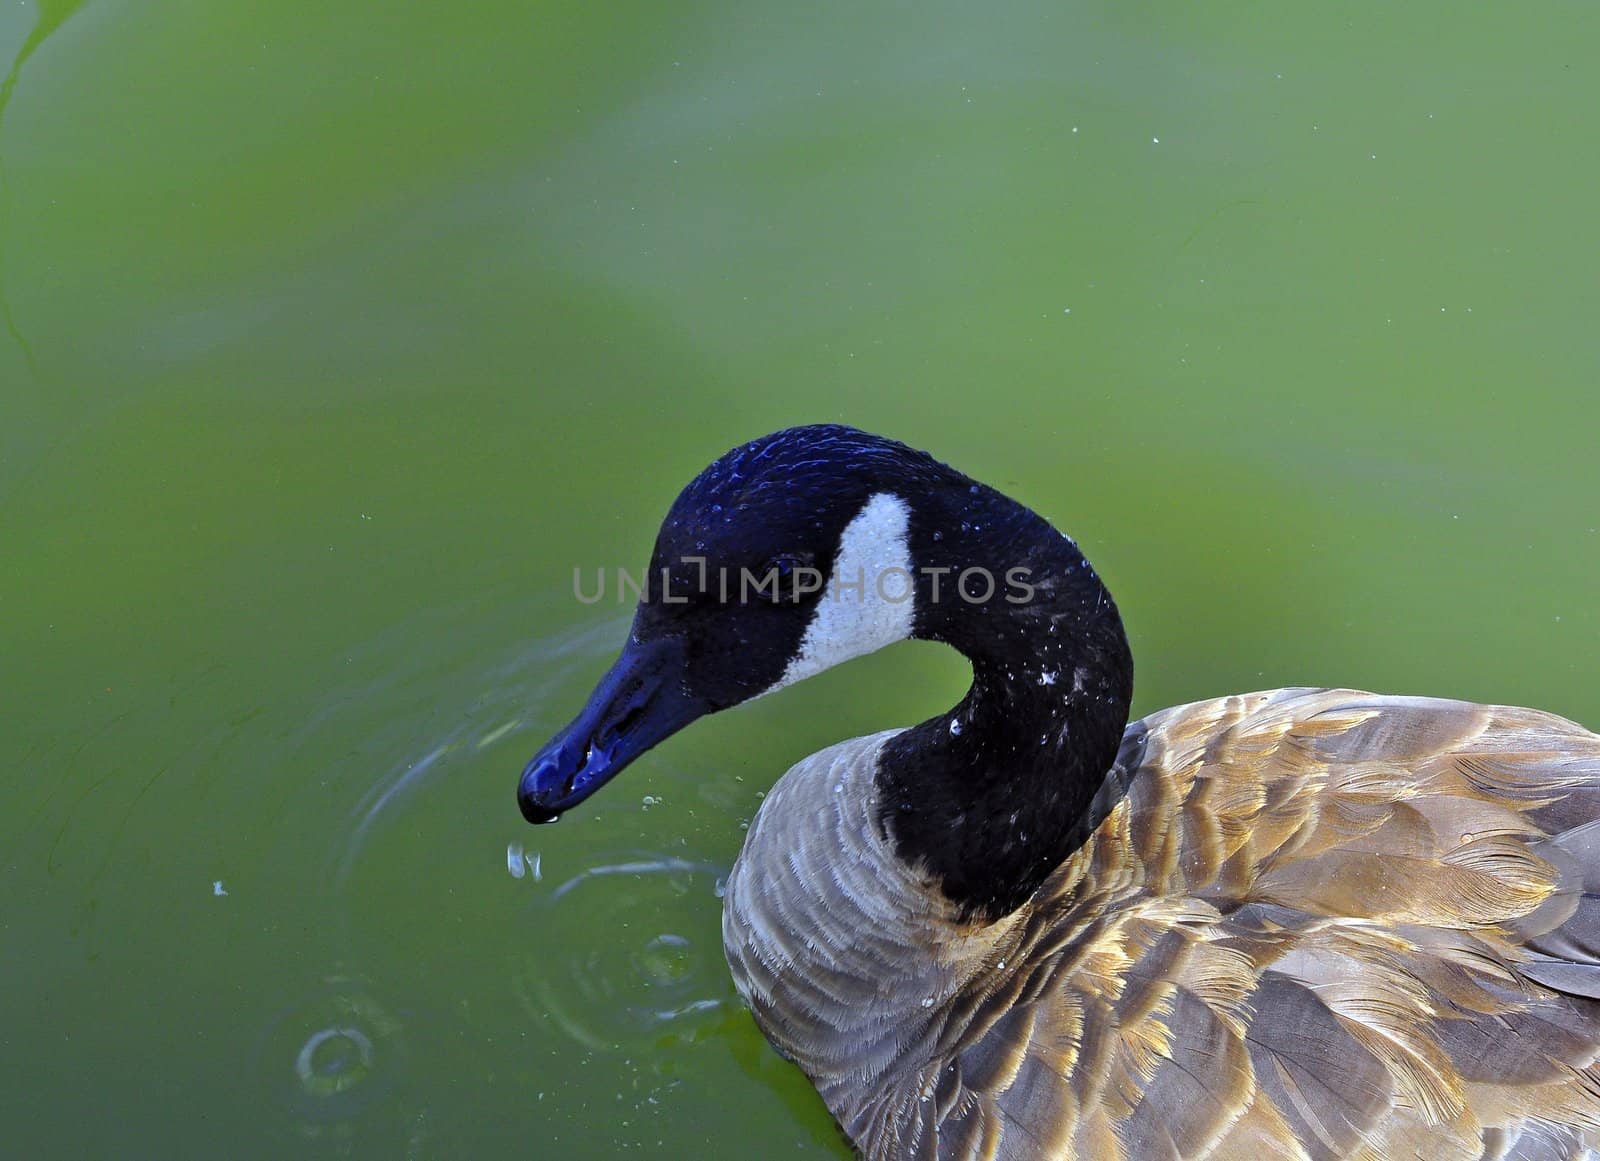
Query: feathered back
[1319, 924]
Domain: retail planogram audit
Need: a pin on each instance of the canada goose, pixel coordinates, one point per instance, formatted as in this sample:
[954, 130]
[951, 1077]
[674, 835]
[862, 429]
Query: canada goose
[1304, 923]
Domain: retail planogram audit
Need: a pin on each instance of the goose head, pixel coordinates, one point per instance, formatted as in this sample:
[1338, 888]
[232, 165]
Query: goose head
[735, 600]
[815, 545]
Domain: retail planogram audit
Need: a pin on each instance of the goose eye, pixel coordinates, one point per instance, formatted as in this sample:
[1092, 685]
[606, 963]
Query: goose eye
[786, 567]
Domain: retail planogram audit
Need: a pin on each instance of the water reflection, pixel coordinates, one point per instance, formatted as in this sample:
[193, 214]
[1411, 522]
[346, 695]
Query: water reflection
[52, 14]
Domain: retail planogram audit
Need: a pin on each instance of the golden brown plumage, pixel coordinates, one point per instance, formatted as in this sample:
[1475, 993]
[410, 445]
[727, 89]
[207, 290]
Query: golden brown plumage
[1319, 924]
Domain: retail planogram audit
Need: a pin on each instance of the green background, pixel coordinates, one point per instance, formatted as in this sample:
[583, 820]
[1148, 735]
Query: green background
[338, 334]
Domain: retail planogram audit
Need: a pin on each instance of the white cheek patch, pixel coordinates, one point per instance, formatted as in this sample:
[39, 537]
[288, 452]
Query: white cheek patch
[869, 599]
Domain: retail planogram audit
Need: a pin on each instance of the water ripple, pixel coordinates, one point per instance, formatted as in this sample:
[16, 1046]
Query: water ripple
[509, 695]
[618, 964]
[338, 1063]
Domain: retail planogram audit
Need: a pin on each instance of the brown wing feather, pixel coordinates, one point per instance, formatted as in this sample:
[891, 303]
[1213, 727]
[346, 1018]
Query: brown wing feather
[1321, 924]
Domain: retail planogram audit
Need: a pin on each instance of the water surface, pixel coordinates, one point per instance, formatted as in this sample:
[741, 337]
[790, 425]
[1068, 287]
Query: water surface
[335, 336]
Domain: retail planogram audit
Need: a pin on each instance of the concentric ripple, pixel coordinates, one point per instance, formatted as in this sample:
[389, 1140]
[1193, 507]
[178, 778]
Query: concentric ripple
[338, 1062]
[626, 951]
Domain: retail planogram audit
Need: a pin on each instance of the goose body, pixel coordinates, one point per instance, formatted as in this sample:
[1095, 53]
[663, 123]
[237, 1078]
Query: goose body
[1302, 923]
[1318, 923]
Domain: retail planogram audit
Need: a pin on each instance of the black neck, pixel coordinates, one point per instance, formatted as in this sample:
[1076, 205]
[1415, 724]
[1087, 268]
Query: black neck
[992, 796]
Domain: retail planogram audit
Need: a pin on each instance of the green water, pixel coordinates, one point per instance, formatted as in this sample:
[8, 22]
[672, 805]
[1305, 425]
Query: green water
[338, 334]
